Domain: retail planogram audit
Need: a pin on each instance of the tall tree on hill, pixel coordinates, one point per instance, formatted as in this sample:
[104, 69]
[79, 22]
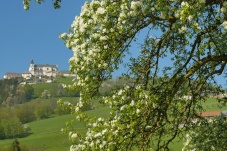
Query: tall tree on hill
[184, 42]
[15, 145]
[29, 91]
[8, 89]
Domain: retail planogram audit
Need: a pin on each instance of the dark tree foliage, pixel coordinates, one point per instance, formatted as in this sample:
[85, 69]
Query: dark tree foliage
[29, 91]
[8, 87]
[15, 145]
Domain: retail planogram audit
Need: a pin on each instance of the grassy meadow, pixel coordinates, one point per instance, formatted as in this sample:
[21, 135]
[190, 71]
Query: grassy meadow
[47, 135]
[211, 104]
[39, 88]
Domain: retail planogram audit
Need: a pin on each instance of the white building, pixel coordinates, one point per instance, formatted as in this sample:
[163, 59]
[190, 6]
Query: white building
[27, 75]
[10, 75]
[43, 69]
[38, 70]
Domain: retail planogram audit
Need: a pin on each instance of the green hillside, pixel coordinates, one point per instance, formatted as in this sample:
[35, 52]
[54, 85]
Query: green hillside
[46, 133]
[51, 87]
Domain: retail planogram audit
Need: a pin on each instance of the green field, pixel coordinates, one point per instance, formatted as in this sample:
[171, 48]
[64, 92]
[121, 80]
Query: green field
[39, 88]
[212, 104]
[46, 134]
[43, 132]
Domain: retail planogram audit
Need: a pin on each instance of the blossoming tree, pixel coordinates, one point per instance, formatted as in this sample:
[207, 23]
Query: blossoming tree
[183, 49]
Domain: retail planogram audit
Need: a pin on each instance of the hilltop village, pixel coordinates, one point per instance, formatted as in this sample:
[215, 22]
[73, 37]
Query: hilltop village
[39, 72]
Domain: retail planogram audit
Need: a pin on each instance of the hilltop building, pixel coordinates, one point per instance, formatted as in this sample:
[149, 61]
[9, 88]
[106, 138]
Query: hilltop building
[11, 75]
[27, 75]
[40, 70]
[43, 69]
[37, 70]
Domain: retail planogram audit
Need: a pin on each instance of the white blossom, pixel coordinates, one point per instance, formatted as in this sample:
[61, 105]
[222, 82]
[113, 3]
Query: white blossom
[101, 10]
[92, 144]
[73, 148]
[184, 4]
[97, 135]
[224, 24]
[74, 136]
[120, 92]
[63, 35]
[223, 10]
[225, 4]
[202, 1]
[103, 38]
[132, 103]
[182, 29]
[135, 4]
[122, 107]
[190, 17]
[77, 109]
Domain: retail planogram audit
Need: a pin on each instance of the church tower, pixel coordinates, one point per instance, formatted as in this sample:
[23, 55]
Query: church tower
[32, 68]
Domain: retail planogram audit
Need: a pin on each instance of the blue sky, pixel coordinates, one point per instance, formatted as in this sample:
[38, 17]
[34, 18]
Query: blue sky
[33, 34]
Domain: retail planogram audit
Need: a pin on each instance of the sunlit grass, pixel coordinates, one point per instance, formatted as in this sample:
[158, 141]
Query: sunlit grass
[212, 104]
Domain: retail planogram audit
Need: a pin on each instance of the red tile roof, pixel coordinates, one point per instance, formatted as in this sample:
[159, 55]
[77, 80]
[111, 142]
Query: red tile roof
[210, 114]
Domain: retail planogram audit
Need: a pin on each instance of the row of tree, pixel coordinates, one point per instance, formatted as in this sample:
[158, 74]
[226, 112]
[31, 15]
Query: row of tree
[13, 93]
